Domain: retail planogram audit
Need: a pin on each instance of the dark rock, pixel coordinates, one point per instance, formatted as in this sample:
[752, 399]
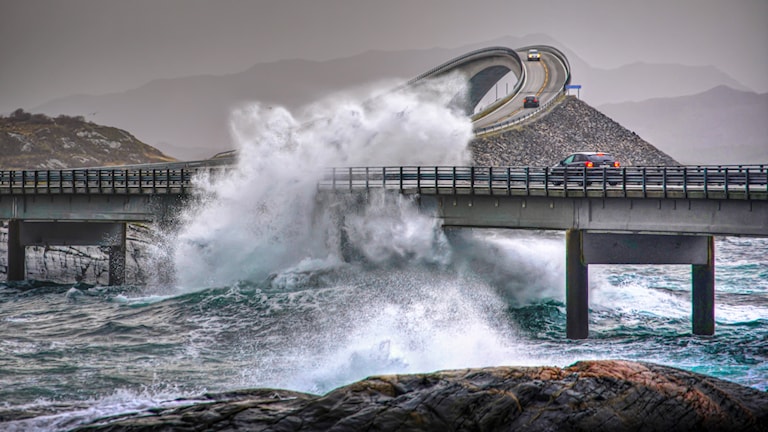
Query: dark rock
[587, 396]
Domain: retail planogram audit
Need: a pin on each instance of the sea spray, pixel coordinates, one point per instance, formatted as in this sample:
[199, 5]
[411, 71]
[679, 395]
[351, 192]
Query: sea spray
[257, 219]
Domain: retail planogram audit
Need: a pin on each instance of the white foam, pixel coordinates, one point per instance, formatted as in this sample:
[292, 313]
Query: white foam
[258, 219]
[121, 401]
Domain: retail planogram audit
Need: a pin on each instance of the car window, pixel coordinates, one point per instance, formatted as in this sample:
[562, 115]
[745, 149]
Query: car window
[568, 160]
[602, 158]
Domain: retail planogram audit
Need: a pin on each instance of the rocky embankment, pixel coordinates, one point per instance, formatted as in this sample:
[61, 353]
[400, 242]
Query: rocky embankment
[567, 127]
[89, 264]
[610, 396]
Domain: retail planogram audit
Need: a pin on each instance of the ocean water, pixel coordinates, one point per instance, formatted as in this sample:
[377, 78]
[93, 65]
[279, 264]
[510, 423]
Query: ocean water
[252, 289]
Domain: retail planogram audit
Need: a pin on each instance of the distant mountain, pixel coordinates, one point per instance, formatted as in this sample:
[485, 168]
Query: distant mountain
[634, 82]
[36, 141]
[719, 126]
[189, 117]
[642, 81]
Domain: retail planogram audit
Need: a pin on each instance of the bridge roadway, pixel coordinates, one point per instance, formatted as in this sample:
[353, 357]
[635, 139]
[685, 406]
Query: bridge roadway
[483, 68]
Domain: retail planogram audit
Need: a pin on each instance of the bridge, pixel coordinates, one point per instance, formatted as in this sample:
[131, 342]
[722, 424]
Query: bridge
[631, 215]
[482, 68]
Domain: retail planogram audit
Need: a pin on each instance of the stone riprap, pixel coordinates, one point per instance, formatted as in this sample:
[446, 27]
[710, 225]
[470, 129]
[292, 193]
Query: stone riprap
[567, 127]
[610, 396]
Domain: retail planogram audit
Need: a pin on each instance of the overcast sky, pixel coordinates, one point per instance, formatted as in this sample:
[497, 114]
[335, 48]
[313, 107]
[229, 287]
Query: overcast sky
[54, 48]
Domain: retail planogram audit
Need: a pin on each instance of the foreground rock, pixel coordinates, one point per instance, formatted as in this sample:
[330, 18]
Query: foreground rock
[587, 396]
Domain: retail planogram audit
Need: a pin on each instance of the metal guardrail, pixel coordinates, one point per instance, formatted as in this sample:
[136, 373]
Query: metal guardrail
[483, 52]
[748, 182]
[100, 181]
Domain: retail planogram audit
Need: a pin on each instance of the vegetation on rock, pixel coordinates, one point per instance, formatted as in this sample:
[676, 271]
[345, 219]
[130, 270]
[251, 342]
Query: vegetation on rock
[36, 141]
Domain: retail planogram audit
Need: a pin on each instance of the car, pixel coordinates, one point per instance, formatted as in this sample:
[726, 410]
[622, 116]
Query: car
[576, 165]
[534, 55]
[531, 102]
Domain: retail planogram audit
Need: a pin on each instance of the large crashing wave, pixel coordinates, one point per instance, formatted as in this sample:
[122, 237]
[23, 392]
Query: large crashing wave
[258, 219]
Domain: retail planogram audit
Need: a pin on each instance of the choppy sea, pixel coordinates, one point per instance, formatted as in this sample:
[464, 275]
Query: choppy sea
[252, 290]
[73, 353]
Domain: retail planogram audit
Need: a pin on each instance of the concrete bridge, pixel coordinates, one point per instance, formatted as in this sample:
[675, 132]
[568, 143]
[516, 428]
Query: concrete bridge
[632, 215]
[86, 207]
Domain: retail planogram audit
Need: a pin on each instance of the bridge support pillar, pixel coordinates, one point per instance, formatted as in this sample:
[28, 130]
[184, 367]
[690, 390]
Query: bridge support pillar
[576, 287]
[16, 252]
[703, 296]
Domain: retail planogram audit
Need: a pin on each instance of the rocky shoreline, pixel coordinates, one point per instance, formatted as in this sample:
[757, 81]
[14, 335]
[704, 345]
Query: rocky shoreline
[608, 395]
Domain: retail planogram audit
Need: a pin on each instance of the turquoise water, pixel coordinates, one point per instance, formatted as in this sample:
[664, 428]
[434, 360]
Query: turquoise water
[73, 353]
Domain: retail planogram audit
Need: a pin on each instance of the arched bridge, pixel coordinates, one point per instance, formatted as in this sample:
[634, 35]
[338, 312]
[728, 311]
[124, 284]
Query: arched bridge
[545, 78]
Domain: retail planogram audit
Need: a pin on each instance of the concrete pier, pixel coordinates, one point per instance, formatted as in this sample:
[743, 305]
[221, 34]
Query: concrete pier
[703, 295]
[23, 234]
[584, 248]
[576, 287]
[16, 265]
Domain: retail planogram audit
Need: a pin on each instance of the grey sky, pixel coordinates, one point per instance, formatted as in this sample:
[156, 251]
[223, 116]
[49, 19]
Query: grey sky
[54, 48]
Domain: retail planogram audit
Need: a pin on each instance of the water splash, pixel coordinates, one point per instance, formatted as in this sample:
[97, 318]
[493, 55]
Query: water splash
[259, 218]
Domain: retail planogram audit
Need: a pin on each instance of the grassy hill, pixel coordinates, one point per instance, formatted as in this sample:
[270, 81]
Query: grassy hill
[36, 141]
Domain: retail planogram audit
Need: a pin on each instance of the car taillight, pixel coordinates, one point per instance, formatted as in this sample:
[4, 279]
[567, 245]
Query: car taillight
[616, 164]
[589, 164]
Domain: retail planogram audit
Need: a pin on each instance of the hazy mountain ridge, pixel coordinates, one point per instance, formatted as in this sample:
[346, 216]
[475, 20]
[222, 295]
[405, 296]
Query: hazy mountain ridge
[189, 117]
[720, 126]
[30, 141]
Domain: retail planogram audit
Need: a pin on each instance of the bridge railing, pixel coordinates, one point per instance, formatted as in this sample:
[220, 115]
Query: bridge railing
[746, 182]
[100, 181]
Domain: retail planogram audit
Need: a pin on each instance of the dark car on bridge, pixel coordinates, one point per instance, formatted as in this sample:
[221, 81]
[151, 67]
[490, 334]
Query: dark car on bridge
[586, 166]
[531, 102]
